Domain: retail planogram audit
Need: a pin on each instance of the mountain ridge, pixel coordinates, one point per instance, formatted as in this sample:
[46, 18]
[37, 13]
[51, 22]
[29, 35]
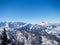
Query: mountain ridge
[42, 34]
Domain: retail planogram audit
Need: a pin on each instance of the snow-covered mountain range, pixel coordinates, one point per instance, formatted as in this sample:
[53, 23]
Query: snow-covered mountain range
[32, 34]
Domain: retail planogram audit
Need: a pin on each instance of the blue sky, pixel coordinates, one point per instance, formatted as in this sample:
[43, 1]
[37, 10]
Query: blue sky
[30, 11]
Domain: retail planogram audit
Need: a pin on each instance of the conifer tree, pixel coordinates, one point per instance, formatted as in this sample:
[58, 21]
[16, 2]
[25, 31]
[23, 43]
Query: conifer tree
[4, 38]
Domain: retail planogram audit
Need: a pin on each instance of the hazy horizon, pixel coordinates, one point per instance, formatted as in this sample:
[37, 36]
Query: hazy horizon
[30, 11]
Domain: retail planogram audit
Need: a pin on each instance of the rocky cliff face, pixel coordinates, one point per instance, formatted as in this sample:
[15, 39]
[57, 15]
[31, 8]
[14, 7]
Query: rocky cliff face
[31, 34]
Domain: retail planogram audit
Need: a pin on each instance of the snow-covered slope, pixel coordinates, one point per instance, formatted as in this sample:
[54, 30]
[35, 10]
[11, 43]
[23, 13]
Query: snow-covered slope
[32, 34]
